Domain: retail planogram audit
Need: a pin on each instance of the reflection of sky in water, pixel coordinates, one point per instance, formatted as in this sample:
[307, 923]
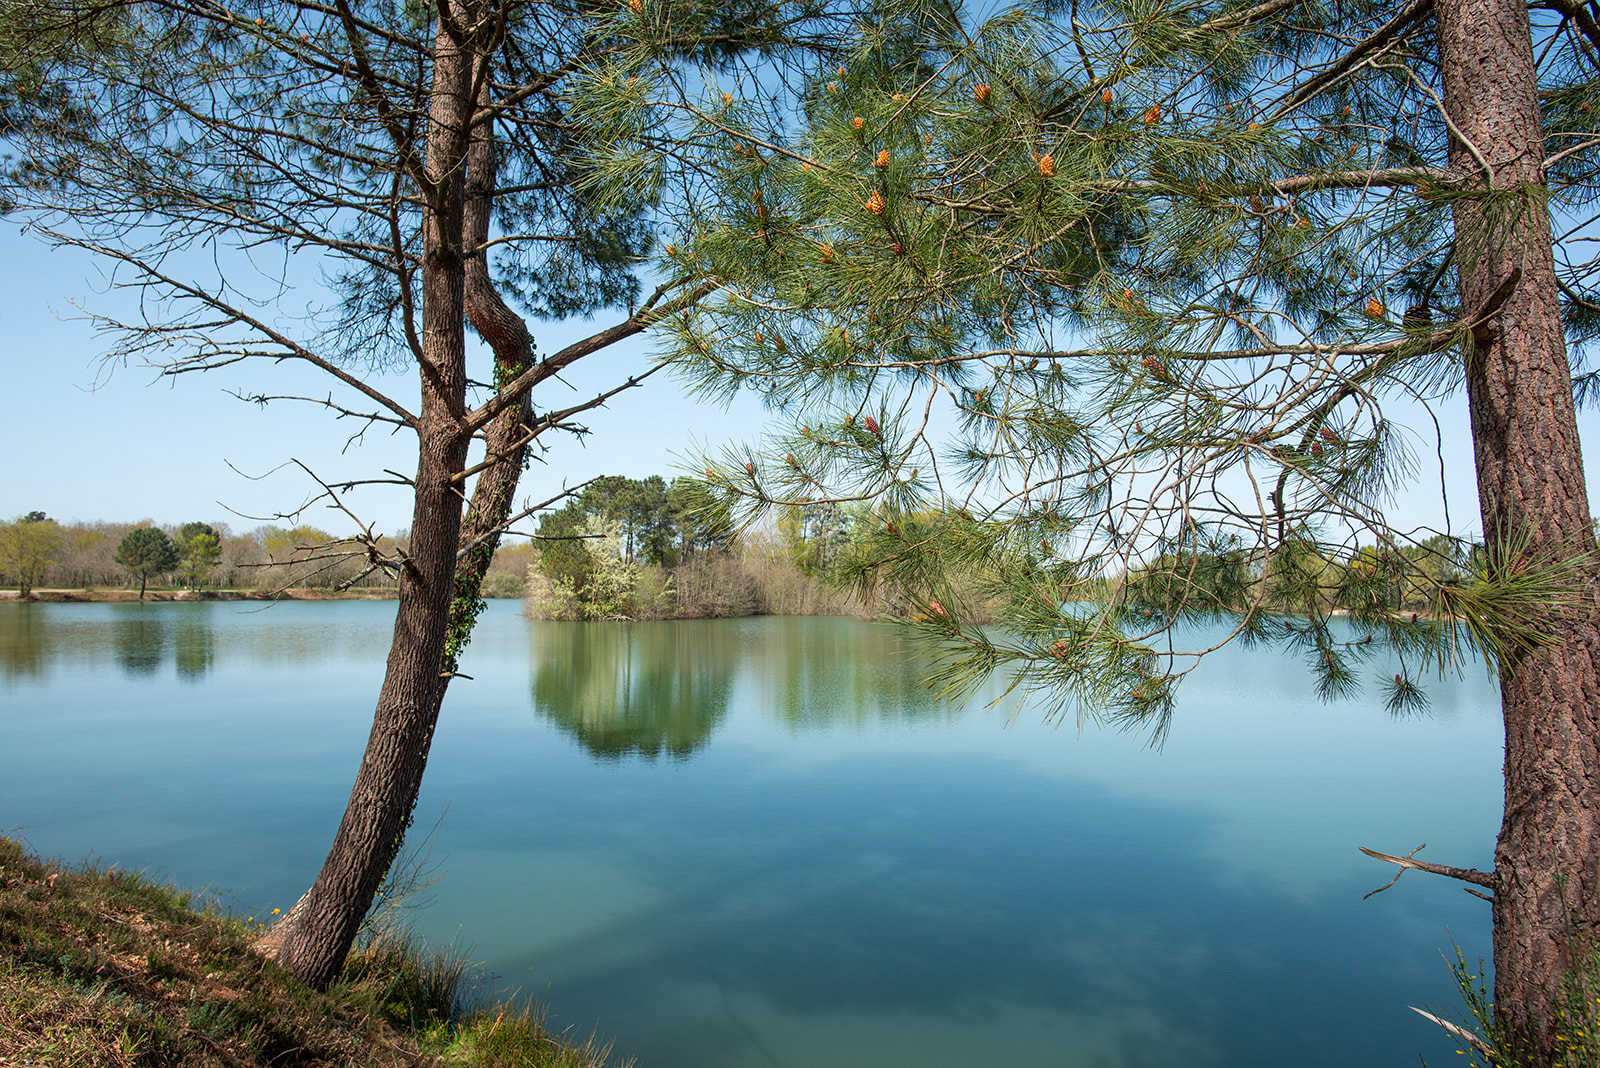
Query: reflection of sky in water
[756, 842]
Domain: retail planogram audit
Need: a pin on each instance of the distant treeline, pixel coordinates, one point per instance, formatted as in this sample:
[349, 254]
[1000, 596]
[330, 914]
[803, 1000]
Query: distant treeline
[36, 551]
[648, 549]
[645, 549]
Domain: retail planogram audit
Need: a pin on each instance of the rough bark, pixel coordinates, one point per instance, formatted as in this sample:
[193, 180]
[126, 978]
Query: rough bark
[1531, 487]
[449, 554]
[507, 438]
[323, 925]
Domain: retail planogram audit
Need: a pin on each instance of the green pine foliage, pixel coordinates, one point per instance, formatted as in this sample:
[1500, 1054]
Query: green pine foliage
[146, 552]
[1111, 311]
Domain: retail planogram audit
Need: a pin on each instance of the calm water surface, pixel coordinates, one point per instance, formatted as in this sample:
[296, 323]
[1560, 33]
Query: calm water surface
[739, 844]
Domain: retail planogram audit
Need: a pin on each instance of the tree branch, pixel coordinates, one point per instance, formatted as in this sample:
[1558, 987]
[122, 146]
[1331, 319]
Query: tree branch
[404, 146]
[293, 350]
[1467, 875]
[637, 323]
[1457, 1031]
[1332, 73]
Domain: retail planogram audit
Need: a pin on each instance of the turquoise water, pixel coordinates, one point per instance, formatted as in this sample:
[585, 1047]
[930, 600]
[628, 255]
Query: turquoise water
[732, 844]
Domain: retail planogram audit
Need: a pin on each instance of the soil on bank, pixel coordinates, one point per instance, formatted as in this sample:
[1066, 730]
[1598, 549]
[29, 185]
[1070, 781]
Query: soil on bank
[103, 968]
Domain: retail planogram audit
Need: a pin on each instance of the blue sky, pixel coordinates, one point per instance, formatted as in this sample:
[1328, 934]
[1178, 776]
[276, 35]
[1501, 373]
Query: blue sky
[84, 444]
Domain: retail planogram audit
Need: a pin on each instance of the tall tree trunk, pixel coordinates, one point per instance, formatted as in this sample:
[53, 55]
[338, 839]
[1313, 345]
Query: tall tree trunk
[508, 436]
[439, 590]
[1531, 491]
[323, 925]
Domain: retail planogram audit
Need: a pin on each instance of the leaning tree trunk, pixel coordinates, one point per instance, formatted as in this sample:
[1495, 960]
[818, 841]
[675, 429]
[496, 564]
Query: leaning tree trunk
[323, 925]
[1532, 495]
[439, 592]
[507, 438]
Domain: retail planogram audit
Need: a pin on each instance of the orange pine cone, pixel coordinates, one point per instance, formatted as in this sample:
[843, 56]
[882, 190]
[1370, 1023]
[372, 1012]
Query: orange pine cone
[871, 424]
[1152, 114]
[882, 160]
[982, 93]
[874, 203]
[1105, 96]
[1375, 308]
[1047, 165]
[858, 122]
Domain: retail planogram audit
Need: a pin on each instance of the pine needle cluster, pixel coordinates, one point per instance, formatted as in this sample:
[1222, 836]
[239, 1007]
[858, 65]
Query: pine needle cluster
[1115, 311]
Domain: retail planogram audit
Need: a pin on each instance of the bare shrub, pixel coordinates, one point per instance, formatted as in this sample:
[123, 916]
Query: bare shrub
[714, 585]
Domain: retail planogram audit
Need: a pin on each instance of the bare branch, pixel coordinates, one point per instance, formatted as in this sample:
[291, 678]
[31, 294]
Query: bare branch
[326, 402]
[1325, 77]
[1457, 1031]
[505, 524]
[1466, 875]
[403, 144]
[293, 350]
[637, 323]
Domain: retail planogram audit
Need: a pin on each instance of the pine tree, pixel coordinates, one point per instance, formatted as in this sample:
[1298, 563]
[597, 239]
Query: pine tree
[1123, 300]
[421, 156]
[146, 551]
[199, 549]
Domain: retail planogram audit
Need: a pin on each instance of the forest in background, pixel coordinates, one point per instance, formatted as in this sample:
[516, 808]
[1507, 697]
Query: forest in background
[38, 552]
[647, 549]
[644, 549]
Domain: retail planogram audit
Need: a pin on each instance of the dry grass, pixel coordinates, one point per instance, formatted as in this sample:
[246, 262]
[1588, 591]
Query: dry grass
[103, 968]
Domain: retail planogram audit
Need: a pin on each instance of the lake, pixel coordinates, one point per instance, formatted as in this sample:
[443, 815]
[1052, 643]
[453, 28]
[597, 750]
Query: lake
[747, 843]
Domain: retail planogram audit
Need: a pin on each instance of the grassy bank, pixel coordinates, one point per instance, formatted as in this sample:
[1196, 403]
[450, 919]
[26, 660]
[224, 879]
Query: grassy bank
[103, 968]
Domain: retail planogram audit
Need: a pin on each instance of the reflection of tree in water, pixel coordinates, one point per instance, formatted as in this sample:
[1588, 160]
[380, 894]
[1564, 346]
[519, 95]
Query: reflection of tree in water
[646, 688]
[25, 642]
[140, 641]
[825, 672]
[194, 646]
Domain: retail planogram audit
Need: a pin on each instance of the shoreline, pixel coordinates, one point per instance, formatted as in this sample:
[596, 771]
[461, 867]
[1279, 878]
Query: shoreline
[117, 595]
